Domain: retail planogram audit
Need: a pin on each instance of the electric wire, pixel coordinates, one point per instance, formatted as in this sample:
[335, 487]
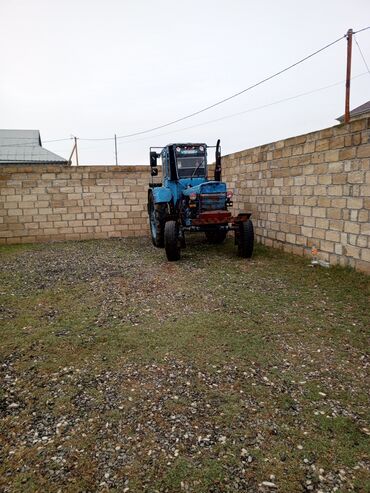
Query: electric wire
[217, 103]
[249, 110]
[360, 30]
[362, 55]
[224, 100]
[31, 144]
[53, 140]
[58, 140]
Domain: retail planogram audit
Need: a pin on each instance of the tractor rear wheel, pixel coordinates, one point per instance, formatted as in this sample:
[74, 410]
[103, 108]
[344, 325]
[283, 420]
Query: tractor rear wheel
[157, 218]
[246, 239]
[216, 236]
[172, 241]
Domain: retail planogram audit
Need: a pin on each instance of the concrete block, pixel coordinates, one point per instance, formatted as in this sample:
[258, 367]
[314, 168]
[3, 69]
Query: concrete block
[334, 213]
[363, 151]
[352, 228]
[322, 145]
[325, 179]
[327, 246]
[355, 203]
[333, 236]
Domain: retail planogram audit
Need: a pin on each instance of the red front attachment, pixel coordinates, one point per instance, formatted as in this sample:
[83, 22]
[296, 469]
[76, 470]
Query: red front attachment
[212, 217]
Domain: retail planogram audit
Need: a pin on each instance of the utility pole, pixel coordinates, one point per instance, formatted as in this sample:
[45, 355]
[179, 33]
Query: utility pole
[76, 151]
[115, 148]
[348, 75]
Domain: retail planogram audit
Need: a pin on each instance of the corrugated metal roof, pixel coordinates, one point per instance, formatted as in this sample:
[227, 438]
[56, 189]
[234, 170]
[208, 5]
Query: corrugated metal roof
[363, 108]
[24, 147]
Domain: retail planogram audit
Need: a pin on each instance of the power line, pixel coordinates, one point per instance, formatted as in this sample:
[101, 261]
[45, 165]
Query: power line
[360, 30]
[214, 104]
[28, 138]
[57, 140]
[30, 144]
[249, 110]
[229, 97]
[362, 55]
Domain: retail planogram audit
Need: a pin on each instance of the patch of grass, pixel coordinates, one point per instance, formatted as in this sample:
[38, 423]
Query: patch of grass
[208, 476]
[342, 437]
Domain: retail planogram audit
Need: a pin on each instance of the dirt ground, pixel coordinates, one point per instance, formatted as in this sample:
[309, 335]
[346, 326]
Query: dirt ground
[122, 372]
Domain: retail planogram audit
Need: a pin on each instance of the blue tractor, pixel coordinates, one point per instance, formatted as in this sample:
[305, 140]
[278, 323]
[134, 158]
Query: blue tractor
[187, 201]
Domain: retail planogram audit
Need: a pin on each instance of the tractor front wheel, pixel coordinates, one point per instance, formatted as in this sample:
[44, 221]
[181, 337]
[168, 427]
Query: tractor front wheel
[157, 217]
[216, 236]
[172, 241]
[245, 239]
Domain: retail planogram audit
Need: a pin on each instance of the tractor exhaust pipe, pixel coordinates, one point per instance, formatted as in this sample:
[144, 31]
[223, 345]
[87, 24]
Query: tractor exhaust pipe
[218, 168]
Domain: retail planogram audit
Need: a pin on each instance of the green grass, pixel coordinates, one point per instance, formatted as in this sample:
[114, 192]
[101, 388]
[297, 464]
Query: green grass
[272, 352]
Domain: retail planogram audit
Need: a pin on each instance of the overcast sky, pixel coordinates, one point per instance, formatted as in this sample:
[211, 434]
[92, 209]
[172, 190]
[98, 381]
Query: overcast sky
[93, 68]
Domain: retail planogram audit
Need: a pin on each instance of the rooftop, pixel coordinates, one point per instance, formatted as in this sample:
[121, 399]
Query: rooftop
[25, 147]
[360, 110]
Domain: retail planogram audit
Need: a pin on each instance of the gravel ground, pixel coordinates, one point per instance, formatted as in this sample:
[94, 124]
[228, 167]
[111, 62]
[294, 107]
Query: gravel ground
[122, 372]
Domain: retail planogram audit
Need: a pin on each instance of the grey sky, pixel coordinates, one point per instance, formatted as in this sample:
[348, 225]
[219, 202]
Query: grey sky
[94, 68]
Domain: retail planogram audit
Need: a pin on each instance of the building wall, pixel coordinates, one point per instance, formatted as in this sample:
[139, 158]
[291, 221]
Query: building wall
[313, 189]
[41, 203]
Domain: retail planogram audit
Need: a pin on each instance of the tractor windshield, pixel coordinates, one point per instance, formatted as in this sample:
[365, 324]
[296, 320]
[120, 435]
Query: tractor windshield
[191, 161]
[190, 167]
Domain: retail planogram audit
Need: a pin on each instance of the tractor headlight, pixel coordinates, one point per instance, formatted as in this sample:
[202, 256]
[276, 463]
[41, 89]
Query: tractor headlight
[193, 197]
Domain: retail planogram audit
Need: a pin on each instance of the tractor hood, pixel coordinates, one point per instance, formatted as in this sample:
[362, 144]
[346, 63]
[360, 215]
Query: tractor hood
[206, 187]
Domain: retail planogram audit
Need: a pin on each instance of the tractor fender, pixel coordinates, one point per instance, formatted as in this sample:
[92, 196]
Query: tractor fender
[161, 195]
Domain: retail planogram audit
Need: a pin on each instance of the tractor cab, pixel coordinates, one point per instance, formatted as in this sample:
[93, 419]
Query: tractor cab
[180, 161]
[187, 200]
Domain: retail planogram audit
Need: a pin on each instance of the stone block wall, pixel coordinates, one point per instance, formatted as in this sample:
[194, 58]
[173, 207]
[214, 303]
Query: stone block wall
[313, 189]
[42, 203]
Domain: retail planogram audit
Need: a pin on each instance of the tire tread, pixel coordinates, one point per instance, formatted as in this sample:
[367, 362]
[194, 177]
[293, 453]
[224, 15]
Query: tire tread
[171, 241]
[246, 239]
